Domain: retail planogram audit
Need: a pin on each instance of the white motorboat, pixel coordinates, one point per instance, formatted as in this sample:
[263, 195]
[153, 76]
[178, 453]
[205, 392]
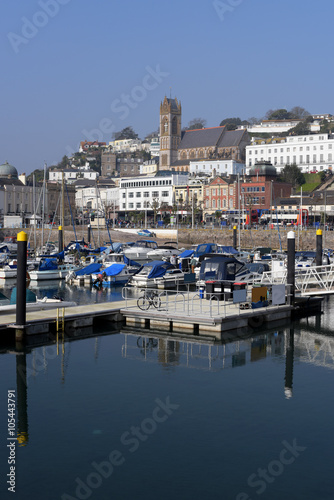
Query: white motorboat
[163, 252]
[115, 274]
[157, 274]
[139, 250]
[9, 245]
[50, 270]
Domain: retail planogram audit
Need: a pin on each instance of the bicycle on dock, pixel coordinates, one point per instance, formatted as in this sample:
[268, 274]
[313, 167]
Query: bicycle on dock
[149, 299]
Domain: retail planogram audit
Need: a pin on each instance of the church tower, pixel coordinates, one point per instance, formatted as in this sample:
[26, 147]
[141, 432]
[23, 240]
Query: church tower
[170, 132]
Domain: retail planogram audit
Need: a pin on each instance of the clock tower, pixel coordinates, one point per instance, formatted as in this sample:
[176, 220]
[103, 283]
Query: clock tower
[170, 132]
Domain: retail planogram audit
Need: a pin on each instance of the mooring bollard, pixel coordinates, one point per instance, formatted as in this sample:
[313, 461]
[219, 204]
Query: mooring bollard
[318, 258]
[21, 279]
[291, 267]
[235, 237]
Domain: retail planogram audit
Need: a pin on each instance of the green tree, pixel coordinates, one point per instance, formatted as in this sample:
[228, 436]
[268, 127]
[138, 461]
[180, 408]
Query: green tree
[39, 176]
[126, 133]
[233, 123]
[63, 163]
[302, 128]
[217, 215]
[196, 123]
[298, 112]
[293, 175]
[280, 114]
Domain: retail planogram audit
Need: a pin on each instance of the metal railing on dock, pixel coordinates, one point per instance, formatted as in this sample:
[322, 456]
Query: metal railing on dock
[308, 280]
[188, 303]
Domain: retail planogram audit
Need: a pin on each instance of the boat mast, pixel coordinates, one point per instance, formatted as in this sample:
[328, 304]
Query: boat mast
[62, 201]
[43, 211]
[98, 217]
[34, 207]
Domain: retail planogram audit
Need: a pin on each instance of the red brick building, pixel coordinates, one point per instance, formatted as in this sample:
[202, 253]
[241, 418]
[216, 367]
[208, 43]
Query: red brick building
[220, 195]
[262, 188]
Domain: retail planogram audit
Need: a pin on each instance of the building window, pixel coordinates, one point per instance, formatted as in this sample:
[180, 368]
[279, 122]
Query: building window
[138, 205]
[130, 205]
[138, 194]
[123, 205]
[165, 194]
[146, 194]
[155, 194]
[131, 194]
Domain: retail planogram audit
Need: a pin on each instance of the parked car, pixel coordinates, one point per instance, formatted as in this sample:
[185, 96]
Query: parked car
[146, 232]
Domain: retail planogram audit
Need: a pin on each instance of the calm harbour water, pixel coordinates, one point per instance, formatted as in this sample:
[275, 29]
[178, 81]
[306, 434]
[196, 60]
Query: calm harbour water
[123, 416]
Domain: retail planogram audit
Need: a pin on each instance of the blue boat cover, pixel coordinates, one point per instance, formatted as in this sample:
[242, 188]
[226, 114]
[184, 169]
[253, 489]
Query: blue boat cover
[48, 265]
[130, 262]
[159, 268]
[227, 249]
[204, 248]
[90, 269]
[116, 247]
[185, 254]
[114, 269]
[306, 253]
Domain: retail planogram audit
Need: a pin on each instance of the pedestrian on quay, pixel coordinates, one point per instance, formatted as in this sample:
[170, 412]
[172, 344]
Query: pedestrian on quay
[193, 263]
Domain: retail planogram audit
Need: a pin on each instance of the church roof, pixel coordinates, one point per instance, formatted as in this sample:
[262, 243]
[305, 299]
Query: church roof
[173, 103]
[203, 137]
[231, 138]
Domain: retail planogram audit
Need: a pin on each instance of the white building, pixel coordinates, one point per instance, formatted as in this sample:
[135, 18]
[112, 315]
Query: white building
[149, 167]
[310, 152]
[71, 174]
[278, 126]
[155, 146]
[216, 167]
[138, 193]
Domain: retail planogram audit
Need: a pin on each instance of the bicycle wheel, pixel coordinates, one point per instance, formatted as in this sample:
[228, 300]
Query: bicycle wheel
[143, 303]
[156, 302]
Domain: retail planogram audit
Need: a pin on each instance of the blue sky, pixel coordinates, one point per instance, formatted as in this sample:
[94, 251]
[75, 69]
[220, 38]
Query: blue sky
[69, 65]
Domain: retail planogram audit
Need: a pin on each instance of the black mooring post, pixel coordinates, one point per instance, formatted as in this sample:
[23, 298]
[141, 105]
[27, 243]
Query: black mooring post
[318, 258]
[21, 279]
[88, 234]
[60, 239]
[235, 237]
[291, 268]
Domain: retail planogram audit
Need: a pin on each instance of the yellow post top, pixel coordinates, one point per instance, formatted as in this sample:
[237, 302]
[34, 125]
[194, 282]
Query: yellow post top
[22, 236]
[60, 228]
[234, 227]
[319, 232]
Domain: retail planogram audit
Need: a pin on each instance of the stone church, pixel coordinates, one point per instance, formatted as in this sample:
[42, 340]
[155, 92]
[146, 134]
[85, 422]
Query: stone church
[178, 148]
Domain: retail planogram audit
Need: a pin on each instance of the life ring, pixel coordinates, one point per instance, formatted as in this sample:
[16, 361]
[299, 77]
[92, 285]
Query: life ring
[27, 277]
[255, 321]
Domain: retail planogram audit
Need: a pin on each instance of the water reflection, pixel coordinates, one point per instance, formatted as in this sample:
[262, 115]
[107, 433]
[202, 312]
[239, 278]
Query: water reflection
[22, 399]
